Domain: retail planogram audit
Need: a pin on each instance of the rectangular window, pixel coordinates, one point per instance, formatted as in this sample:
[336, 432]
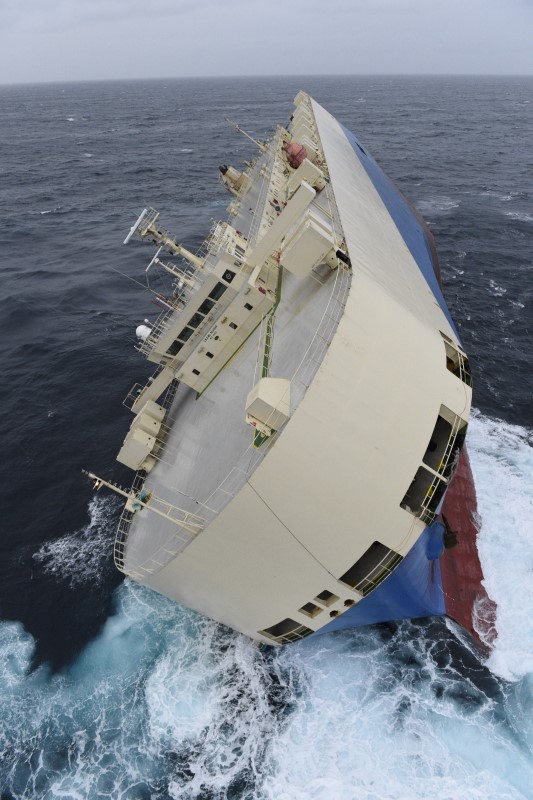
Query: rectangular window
[436, 448]
[218, 291]
[209, 355]
[186, 334]
[326, 598]
[446, 441]
[424, 495]
[195, 320]
[248, 306]
[175, 347]
[232, 325]
[456, 362]
[196, 372]
[372, 568]
[310, 610]
[288, 630]
[206, 306]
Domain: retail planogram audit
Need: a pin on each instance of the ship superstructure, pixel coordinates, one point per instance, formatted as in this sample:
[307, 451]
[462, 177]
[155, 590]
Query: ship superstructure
[309, 404]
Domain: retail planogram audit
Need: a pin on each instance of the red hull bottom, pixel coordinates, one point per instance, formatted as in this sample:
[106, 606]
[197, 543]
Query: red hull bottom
[465, 598]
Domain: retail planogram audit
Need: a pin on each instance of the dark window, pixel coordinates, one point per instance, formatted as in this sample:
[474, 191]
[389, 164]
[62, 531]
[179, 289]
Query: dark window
[372, 568]
[288, 630]
[218, 291]
[248, 306]
[228, 276]
[232, 325]
[326, 598]
[424, 495]
[196, 372]
[417, 491]
[206, 306]
[438, 445]
[209, 355]
[186, 334]
[195, 320]
[175, 347]
[310, 610]
[457, 362]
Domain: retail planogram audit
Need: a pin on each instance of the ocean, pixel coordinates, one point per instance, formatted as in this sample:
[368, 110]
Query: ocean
[108, 690]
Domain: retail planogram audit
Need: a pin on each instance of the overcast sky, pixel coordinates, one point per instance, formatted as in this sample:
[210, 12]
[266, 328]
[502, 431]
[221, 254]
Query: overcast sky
[56, 40]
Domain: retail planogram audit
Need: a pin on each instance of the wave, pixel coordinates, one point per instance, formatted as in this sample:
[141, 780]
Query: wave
[437, 205]
[84, 556]
[521, 216]
[165, 703]
[502, 462]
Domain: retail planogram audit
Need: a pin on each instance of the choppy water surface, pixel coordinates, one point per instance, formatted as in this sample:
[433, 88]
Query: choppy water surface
[109, 691]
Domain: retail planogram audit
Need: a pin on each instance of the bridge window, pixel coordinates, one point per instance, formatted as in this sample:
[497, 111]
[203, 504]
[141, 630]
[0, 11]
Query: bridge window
[206, 306]
[218, 291]
[175, 347]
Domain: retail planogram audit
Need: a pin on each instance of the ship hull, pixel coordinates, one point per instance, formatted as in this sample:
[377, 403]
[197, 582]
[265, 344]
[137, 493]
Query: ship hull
[335, 521]
[431, 581]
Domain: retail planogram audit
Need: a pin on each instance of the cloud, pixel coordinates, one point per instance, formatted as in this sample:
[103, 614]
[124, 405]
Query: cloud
[94, 39]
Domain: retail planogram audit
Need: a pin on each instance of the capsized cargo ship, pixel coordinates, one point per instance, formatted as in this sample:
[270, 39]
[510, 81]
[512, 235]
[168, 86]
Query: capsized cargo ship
[299, 450]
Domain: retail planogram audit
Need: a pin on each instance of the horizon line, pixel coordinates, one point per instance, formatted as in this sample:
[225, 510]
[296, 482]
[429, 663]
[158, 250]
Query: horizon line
[273, 77]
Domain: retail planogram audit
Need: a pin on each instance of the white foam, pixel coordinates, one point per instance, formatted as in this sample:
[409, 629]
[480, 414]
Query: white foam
[365, 729]
[436, 206]
[165, 698]
[521, 216]
[82, 557]
[502, 462]
[50, 210]
[497, 291]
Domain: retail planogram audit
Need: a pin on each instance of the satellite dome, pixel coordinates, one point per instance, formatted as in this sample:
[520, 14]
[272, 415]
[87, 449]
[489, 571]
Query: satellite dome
[142, 332]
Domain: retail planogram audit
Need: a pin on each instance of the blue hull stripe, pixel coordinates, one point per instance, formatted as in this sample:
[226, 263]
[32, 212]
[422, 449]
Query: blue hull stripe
[411, 229]
[413, 590]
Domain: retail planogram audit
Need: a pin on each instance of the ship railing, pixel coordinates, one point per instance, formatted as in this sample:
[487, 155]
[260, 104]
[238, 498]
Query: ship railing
[378, 573]
[464, 369]
[186, 526]
[159, 326]
[300, 381]
[258, 213]
[132, 395]
[324, 333]
[121, 537]
[126, 518]
[427, 510]
[237, 476]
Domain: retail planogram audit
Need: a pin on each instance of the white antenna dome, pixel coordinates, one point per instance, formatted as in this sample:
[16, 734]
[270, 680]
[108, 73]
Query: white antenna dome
[142, 332]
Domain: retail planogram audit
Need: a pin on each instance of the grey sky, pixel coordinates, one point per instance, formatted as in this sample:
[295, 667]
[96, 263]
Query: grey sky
[49, 40]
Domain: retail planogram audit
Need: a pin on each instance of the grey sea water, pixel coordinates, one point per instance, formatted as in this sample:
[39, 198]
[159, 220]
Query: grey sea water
[110, 691]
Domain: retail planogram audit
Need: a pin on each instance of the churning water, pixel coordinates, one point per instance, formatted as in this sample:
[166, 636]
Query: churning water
[110, 691]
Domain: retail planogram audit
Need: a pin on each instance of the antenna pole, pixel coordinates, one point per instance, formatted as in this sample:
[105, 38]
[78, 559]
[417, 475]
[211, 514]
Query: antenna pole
[148, 501]
[261, 145]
